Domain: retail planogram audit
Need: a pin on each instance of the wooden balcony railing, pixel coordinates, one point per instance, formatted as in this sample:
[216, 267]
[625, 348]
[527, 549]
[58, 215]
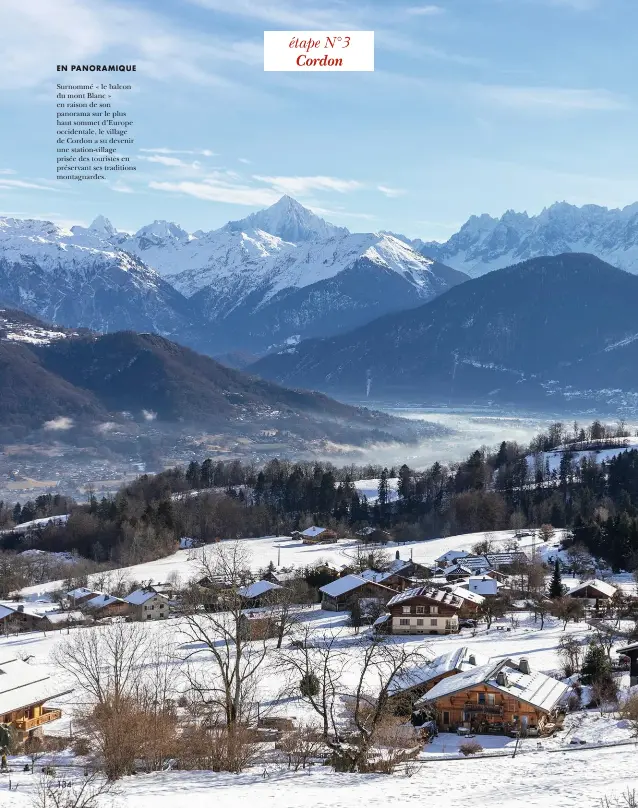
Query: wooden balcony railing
[488, 709]
[26, 724]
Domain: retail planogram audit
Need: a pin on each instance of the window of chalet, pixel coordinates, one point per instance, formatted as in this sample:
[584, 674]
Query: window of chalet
[433, 621]
[420, 609]
[434, 609]
[419, 622]
[406, 610]
[404, 622]
[490, 698]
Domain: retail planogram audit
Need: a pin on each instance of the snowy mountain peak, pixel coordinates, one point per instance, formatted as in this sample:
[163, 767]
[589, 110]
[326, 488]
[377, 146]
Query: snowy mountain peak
[289, 220]
[161, 230]
[484, 243]
[102, 227]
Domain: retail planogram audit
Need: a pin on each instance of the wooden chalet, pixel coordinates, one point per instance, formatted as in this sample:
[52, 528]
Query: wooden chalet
[459, 572]
[260, 593]
[500, 697]
[315, 535]
[24, 689]
[409, 687]
[106, 606]
[424, 610]
[594, 592]
[339, 595]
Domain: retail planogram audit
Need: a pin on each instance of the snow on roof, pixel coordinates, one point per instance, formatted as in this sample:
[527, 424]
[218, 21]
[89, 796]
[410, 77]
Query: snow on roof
[22, 685]
[257, 589]
[376, 577]
[534, 688]
[460, 659]
[346, 584]
[81, 592]
[452, 555]
[140, 596]
[313, 531]
[102, 600]
[465, 594]
[458, 569]
[602, 586]
[381, 620]
[64, 617]
[429, 592]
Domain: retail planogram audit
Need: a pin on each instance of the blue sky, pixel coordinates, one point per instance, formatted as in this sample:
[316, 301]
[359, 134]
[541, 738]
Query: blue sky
[474, 106]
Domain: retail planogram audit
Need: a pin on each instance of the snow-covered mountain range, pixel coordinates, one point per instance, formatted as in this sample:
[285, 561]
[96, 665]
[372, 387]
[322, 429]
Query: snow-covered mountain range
[485, 243]
[275, 277]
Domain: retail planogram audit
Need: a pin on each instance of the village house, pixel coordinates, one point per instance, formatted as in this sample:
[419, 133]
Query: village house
[20, 618]
[24, 689]
[500, 697]
[387, 578]
[106, 606]
[56, 621]
[458, 572]
[594, 592]
[409, 686]
[631, 652]
[259, 624]
[315, 535]
[424, 610]
[374, 535]
[409, 569]
[339, 595]
[81, 595]
[260, 593]
[451, 557]
[147, 604]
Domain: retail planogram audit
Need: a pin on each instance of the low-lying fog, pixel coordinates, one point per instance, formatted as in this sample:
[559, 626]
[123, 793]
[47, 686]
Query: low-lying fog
[469, 431]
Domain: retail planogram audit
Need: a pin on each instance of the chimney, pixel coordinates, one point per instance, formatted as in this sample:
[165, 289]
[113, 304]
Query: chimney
[20, 608]
[397, 555]
[501, 679]
[523, 665]
[471, 659]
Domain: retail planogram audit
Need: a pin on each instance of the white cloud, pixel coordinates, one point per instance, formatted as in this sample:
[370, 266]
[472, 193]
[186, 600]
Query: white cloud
[149, 415]
[391, 192]
[59, 424]
[424, 11]
[299, 14]
[551, 98]
[35, 35]
[243, 160]
[165, 160]
[302, 185]
[7, 171]
[12, 184]
[213, 190]
[164, 150]
[122, 188]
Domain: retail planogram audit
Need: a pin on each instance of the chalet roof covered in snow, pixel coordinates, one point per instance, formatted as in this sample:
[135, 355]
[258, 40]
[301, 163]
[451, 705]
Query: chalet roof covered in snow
[81, 592]
[311, 532]
[101, 601]
[451, 555]
[461, 592]
[535, 688]
[605, 589]
[349, 583]
[459, 569]
[22, 685]
[141, 596]
[62, 618]
[257, 589]
[460, 659]
[429, 592]
[377, 577]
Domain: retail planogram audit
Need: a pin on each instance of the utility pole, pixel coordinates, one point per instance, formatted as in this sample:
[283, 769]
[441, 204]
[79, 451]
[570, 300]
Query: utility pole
[278, 556]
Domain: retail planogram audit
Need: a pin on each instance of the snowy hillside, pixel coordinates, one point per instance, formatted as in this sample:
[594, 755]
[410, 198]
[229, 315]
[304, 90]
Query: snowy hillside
[485, 243]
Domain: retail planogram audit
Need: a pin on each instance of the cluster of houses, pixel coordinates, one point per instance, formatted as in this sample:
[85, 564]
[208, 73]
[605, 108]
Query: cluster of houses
[83, 605]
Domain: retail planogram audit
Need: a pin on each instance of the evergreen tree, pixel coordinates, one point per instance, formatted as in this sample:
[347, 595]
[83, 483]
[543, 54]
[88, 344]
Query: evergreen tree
[382, 491]
[556, 585]
[596, 666]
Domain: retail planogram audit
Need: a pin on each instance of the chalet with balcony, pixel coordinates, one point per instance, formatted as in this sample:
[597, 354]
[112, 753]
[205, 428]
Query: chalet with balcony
[260, 593]
[339, 595]
[24, 689]
[425, 610]
[409, 686]
[81, 595]
[501, 697]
